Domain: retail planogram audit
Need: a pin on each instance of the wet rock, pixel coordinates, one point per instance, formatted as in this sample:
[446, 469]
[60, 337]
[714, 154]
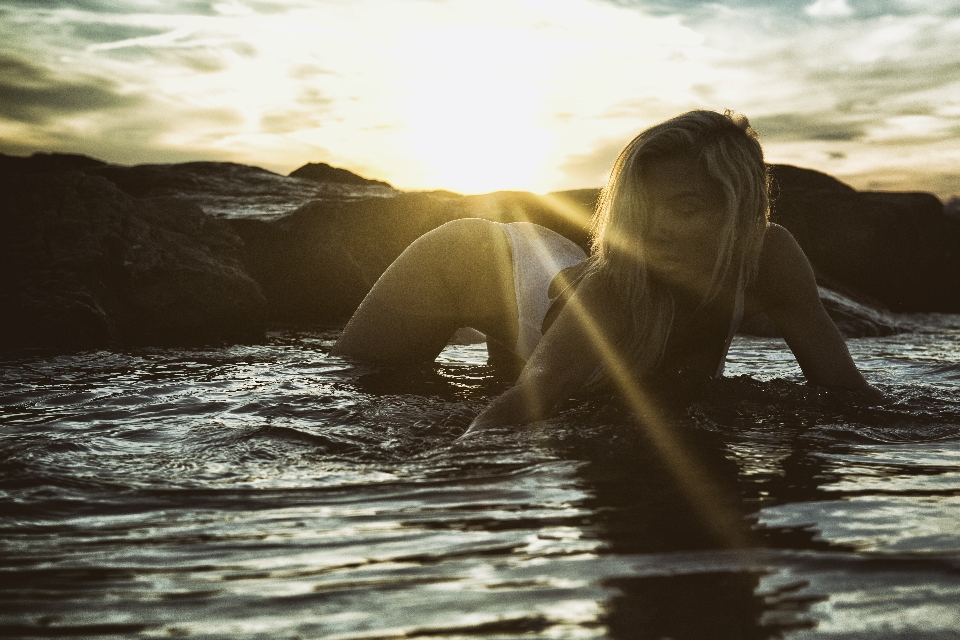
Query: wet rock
[855, 319]
[951, 208]
[317, 263]
[86, 265]
[322, 172]
[899, 248]
[566, 212]
[44, 162]
[223, 189]
[317, 240]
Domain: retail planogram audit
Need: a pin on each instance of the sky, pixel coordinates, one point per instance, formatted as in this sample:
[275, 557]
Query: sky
[481, 95]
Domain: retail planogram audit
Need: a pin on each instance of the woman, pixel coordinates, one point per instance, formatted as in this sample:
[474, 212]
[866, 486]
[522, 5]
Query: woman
[682, 250]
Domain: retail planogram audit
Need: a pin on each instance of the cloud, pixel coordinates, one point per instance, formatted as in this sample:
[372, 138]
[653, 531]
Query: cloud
[538, 94]
[195, 7]
[100, 32]
[288, 121]
[828, 9]
[194, 59]
[592, 168]
[35, 95]
[800, 126]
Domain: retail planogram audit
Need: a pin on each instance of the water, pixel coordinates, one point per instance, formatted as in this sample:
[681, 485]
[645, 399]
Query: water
[270, 491]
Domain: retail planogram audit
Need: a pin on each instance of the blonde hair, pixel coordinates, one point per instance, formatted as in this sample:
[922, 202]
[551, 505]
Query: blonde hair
[726, 146]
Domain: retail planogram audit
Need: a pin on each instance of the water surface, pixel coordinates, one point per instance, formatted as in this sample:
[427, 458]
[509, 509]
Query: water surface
[270, 491]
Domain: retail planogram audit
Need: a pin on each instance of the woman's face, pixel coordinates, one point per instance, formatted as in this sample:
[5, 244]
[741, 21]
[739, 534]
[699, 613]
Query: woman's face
[687, 217]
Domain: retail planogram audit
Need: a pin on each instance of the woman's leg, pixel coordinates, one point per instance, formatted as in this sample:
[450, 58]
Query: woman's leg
[457, 275]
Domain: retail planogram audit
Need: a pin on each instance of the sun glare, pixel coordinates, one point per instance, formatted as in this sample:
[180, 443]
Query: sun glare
[475, 120]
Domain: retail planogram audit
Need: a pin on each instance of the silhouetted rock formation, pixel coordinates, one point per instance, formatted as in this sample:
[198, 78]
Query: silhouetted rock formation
[221, 188]
[108, 254]
[86, 265]
[44, 162]
[899, 248]
[322, 172]
[317, 263]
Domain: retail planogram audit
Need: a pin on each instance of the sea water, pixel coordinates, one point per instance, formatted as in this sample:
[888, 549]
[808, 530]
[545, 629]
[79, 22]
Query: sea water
[272, 491]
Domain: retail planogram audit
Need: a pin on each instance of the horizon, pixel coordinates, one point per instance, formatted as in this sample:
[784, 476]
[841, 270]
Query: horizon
[948, 201]
[451, 95]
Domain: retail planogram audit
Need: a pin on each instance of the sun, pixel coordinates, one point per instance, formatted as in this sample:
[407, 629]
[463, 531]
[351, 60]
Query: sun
[475, 121]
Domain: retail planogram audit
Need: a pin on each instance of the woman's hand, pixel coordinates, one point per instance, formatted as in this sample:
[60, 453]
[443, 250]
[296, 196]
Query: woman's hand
[563, 361]
[787, 292]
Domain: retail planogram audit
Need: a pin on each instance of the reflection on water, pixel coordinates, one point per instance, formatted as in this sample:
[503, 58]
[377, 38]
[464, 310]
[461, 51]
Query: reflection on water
[269, 491]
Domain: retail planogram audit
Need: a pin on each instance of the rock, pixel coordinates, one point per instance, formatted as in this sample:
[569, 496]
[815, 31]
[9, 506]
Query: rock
[44, 162]
[322, 172]
[87, 266]
[317, 263]
[854, 319]
[124, 255]
[566, 212]
[899, 248]
[951, 208]
[222, 189]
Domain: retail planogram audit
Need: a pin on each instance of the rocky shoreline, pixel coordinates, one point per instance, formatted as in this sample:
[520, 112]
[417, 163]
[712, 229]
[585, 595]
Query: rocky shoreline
[97, 255]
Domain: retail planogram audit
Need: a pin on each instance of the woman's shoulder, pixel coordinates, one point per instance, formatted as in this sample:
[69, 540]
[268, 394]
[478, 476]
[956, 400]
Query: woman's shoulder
[775, 240]
[780, 252]
[783, 268]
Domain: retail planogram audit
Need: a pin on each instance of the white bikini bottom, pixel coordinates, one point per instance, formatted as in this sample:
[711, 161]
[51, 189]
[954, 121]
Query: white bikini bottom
[539, 254]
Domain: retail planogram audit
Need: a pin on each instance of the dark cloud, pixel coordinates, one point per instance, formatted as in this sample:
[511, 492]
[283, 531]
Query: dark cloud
[666, 6]
[886, 78]
[34, 95]
[194, 7]
[861, 9]
[288, 121]
[99, 32]
[269, 8]
[140, 135]
[899, 8]
[796, 126]
[201, 59]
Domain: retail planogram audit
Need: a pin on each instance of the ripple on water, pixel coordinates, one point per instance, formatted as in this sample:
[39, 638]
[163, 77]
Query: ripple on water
[269, 490]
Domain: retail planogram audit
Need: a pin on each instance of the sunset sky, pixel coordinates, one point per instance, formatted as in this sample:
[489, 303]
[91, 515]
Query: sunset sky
[480, 95]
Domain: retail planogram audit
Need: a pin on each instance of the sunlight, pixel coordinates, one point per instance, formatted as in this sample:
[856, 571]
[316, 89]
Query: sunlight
[474, 126]
[693, 477]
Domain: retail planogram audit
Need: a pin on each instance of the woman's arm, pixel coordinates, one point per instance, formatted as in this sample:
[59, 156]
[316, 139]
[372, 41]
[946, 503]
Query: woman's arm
[788, 295]
[562, 362]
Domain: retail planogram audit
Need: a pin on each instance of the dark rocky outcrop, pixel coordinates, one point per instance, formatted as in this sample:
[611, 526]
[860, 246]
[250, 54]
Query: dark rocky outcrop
[224, 189]
[317, 263]
[322, 172]
[97, 254]
[86, 265]
[899, 248]
[855, 319]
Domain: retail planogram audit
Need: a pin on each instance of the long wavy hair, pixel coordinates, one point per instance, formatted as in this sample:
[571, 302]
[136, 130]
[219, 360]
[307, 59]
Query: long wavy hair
[726, 146]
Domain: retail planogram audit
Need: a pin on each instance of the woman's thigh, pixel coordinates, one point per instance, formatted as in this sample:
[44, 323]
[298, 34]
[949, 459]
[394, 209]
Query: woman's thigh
[459, 274]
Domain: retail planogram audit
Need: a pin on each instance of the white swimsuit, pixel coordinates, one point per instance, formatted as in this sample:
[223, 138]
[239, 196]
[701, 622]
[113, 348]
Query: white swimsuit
[539, 254]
